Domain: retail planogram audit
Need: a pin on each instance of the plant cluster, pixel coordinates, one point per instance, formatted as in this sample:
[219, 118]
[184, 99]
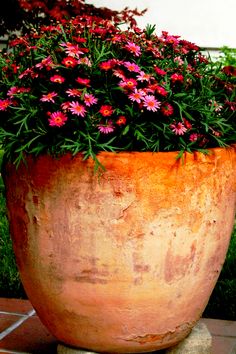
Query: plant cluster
[23, 14]
[85, 85]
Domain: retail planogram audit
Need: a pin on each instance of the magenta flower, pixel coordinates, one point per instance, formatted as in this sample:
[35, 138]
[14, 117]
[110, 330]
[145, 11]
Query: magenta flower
[49, 97]
[132, 66]
[129, 84]
[106, 128]
[137, 95]
[74, 92]
[57, 119]
[71, 50]
[178, 128]
[90, 99]
[133, 48]
[151, 103]
[46, 62]
[77, 108]
[143, 76]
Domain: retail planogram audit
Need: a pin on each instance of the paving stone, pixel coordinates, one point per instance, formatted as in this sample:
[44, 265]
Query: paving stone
[199, 341]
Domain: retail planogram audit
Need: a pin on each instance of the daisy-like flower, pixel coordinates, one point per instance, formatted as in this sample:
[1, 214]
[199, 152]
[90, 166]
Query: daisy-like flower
[137, 95]
[57, 78]
[65, 106]
[129, 84]
[161, 91]
[83, 81]
[106, 110]
[132, 67]
[121, 120]
[70, 62]
[119, 73]
[16, 90]
[4, 104]
[194, 137]
[167, 109]
[85, 61]
[46, 62]
[71, 50]
[177, 78]
[57, 119]
[151, 103]
[178, 128]
[77, 108]
[90, 99]
[106, 65]
[106, 128]
[143, 76]
[74, 92]
[159, 71]
[49, 97]
[133, 48]
[187, 124]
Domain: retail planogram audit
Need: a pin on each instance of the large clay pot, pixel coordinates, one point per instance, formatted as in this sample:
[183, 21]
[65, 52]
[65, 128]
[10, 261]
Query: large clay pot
[124, 261]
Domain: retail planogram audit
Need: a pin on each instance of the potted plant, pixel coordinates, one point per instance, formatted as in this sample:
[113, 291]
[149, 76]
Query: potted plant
[120, 180]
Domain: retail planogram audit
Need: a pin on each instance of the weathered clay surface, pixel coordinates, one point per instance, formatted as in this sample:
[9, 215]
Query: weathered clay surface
[125, 261]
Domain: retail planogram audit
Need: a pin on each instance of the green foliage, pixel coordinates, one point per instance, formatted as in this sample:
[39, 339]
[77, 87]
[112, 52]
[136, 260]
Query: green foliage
[222, 304]
[228, 56]
[10, 284]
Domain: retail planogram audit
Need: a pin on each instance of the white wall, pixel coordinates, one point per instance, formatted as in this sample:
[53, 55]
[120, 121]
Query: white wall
[207, 23]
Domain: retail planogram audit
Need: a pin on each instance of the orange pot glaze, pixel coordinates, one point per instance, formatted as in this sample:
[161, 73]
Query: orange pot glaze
[125, 261]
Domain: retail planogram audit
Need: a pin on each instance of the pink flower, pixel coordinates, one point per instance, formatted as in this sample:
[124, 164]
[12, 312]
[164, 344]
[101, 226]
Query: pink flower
[89, 99]
[49, 97]
[106, 128]
[57, 78]
[143, 76]
[71, 50]
[85, 61]
[178, 128]
[77, 108]
[57, 119]
[45, 63]
[132, 66]
[65, 106]
[137, 95]
[74, 92]
[194, 137]
[133, 48]
[151, 103]
[119, 73]
[129, 84]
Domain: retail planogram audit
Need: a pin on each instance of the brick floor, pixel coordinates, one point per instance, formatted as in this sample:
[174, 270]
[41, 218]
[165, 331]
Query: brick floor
[21, 332]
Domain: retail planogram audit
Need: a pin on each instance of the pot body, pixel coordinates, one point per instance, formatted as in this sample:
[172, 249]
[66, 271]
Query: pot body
[124, 261]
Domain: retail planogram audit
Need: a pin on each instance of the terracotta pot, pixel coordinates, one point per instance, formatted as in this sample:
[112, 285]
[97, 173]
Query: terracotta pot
[125, 261]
